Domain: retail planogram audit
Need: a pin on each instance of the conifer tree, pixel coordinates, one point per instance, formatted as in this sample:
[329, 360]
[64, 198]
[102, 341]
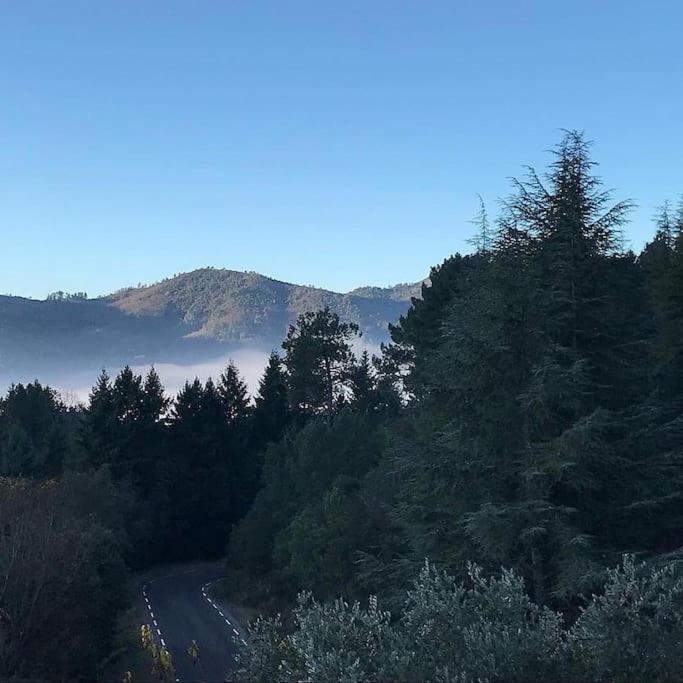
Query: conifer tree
[233, 395]
[34, 433]
[318, 358]
[100, 427]
[154, 401]
[128, 397]
[202, 488]
[362, 377]
[271, 412]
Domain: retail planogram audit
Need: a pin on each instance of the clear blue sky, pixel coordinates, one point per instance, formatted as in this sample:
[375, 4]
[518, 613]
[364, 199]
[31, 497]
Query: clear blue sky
[334, 143]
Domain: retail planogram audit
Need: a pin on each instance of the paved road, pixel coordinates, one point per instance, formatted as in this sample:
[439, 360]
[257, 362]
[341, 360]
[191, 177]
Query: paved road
[179, 608]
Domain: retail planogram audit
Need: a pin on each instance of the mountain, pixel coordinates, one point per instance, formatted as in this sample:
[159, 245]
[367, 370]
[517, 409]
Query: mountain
[188, 319]
[232, 306]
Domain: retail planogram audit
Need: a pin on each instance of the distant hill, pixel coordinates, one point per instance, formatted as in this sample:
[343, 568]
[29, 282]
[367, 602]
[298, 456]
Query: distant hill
[183, 319]
[232, 306]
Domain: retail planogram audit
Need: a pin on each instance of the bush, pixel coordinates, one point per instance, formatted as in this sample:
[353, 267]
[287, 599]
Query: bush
[484, 629]
[634, 631]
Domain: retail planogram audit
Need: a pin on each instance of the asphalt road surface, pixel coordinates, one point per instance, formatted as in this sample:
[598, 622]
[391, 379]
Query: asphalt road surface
[180, 609]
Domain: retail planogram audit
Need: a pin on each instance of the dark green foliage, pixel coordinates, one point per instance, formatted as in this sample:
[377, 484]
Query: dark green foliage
[307, 520]
[271, 410]
[100, 427]
[523, 447]
[233, 394]
[319, 362]
[540, 427]
[662, 261]
[36, 431]
[210, 472]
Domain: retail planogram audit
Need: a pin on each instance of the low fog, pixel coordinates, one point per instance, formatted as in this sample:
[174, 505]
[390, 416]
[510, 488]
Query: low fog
[74, 386]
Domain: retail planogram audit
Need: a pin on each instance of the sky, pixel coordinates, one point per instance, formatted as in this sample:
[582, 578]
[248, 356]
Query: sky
[333, 143]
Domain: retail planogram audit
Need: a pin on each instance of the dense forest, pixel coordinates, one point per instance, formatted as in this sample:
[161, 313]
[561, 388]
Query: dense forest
[498, 495]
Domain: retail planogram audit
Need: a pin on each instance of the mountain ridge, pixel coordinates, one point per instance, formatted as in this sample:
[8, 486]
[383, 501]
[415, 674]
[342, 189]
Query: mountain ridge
[187, 318]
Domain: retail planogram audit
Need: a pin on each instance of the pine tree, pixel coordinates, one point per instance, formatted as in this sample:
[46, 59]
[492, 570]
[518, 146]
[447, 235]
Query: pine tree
[202, 488]
[233, 395]
[188, 402]
[363, 383]
[128, 396]
[34, 435]
[567, 402]
[511, 452]
[100, 434]
[154, 401]
[271, 412]
[318, 358]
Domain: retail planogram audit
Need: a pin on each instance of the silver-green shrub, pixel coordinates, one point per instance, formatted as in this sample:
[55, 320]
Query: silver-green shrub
[634, 631]
[483, 629]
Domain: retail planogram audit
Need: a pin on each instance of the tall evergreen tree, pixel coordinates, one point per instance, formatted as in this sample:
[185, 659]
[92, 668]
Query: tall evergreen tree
[154, 400]
[100, 427]
[128, 397]
[233, 394]
[519, 389]
[200, 484]
[271, 411]
[318, 358]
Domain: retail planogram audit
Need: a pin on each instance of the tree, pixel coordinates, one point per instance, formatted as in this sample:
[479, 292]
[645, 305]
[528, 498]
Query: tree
[521, 390]
[198, 472]
[36, 435]
[271, 411]
[662, 260]
[318, 359]
[154, 400]
[233, 394]
[51, 553]
[362, 380]
[100, 427]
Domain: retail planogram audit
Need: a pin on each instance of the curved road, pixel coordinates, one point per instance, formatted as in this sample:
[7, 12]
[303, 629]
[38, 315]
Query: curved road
[179, 608]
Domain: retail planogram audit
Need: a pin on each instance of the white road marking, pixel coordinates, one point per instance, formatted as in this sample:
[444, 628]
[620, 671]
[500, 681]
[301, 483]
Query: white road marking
[206, 597]
[218, 609]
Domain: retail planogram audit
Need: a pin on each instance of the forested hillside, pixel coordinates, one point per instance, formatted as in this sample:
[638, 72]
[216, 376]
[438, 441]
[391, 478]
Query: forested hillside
[500, 489]
[188, 319]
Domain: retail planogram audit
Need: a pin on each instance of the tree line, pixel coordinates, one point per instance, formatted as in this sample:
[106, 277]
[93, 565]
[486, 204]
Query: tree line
[526, 415]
